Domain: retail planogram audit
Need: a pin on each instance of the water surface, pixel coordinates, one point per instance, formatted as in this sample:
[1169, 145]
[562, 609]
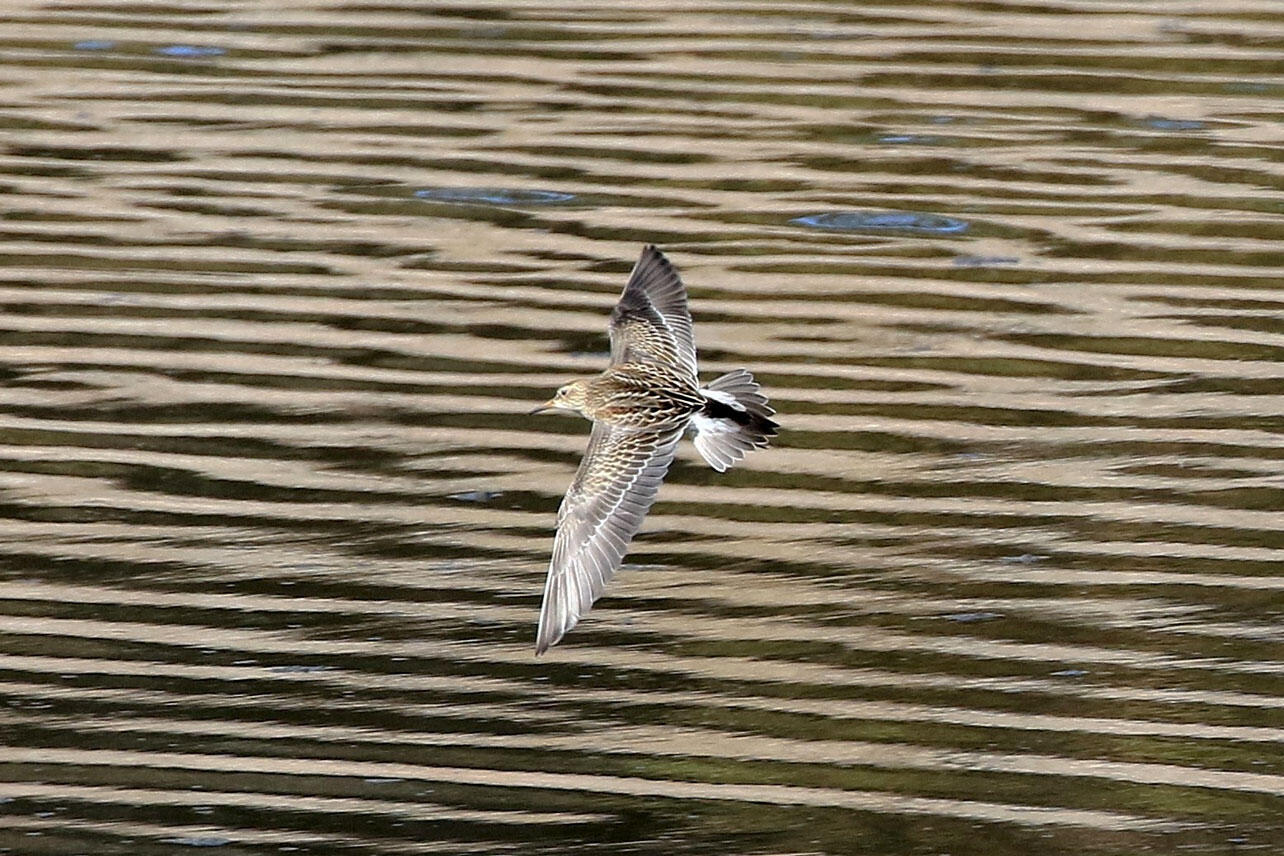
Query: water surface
[280, 285]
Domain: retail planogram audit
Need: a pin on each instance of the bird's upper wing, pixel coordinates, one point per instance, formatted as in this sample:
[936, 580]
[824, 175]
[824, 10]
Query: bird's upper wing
[651, 323]
[613, 489]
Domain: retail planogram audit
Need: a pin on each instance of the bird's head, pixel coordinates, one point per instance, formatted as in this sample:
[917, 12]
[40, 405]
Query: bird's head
[569, 397]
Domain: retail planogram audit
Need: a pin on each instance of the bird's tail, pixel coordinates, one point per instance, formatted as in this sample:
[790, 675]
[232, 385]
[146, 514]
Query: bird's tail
[736, 418]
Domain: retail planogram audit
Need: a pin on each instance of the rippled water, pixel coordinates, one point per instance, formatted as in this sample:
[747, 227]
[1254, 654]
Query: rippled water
[281, 281]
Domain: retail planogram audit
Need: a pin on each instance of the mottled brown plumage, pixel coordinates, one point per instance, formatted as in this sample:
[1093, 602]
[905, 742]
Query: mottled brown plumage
[639, 395]
[640, 407]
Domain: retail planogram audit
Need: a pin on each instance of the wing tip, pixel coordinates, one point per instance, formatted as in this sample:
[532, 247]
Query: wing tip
[556, 618]
[652, 253]
[546, 638]
[653, 271]
[551, 627]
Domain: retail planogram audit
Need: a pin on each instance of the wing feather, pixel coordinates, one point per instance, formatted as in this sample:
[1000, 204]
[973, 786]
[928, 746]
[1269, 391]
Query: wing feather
[616, 483]
[651, 323]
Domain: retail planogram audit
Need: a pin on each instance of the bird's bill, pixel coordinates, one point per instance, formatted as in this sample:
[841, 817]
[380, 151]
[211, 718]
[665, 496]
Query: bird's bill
[548, 405]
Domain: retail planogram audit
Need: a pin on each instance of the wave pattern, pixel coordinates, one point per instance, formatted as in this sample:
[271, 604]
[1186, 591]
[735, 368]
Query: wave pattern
[279, 286]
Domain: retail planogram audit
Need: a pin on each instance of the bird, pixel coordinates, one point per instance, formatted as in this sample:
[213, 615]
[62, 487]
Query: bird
[640, 406]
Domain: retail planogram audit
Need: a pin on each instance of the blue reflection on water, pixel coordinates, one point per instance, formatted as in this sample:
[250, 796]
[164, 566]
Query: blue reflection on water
[912, 139]
[904, 221]
[494, 195]
[94, 45]
[968, 617]
[190, 51]
[985, 261]
[1173, 124]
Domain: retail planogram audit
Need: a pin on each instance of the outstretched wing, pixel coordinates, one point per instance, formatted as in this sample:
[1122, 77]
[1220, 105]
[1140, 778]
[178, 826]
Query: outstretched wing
[612, 492]
[651, 323]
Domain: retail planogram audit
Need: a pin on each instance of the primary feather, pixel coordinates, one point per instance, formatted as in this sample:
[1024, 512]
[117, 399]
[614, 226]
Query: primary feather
[651, 322]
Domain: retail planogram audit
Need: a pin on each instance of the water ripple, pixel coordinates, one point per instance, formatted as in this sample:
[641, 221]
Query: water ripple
[275, 517]
[877, 221]
[493, 195]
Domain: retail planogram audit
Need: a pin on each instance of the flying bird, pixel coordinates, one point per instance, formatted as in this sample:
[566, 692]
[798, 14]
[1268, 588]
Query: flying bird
[647, 398]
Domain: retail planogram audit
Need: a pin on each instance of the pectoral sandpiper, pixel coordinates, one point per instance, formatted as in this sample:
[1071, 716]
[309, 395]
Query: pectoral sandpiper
[640, 406]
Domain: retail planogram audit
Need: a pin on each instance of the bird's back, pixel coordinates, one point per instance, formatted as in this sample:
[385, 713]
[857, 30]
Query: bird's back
[642, 395]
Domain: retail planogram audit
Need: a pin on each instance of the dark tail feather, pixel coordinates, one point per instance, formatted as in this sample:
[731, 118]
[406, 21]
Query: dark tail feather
[736, 419]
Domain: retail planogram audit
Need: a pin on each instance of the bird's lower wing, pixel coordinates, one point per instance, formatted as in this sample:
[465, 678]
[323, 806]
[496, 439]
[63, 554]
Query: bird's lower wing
[603, 510]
